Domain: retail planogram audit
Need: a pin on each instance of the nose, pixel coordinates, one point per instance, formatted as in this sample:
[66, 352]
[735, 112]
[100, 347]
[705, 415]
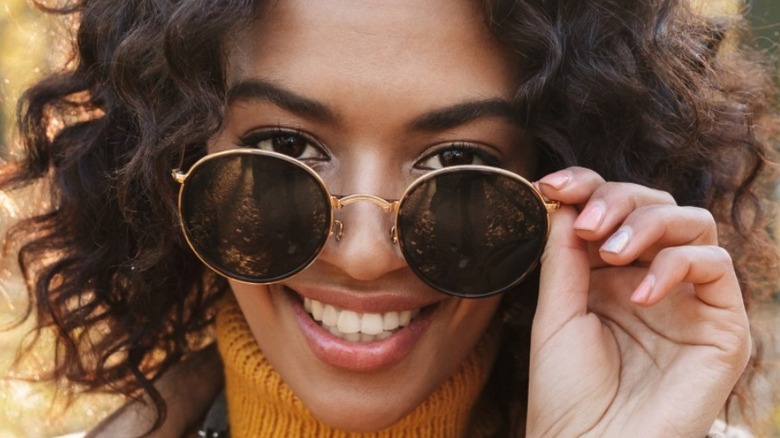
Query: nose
[362, 244]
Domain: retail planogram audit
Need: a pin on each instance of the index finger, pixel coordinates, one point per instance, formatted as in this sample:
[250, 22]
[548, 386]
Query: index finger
[573, 185]
[578, 186]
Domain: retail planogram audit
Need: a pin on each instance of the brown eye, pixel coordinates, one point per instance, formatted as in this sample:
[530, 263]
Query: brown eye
[289, 143]
[457, 155]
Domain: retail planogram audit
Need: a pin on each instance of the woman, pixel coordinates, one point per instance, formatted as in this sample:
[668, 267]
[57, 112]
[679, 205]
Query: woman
[640, 324]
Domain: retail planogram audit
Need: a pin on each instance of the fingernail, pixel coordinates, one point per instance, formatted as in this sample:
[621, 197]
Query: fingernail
[557, 180]
[642, 292]
[618, 241]
[591, 217]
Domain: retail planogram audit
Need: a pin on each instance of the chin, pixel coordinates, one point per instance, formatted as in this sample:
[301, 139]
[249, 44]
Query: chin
[361, 416]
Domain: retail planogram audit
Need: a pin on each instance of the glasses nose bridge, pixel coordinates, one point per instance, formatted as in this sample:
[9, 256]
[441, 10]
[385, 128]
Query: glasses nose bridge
[339, 202]
[388, 206]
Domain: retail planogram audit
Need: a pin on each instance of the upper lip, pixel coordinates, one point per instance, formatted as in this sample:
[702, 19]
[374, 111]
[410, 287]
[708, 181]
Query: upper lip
[370, 301]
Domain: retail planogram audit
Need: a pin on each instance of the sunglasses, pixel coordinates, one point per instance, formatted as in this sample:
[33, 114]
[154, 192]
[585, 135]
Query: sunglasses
[261, 217]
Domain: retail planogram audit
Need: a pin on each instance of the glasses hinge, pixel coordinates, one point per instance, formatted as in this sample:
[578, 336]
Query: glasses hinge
[551, 206]
[178, 175]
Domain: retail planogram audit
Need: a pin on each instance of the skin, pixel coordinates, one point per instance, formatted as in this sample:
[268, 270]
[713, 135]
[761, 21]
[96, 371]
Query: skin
[644, 333]
[369, 66]
[648, 335]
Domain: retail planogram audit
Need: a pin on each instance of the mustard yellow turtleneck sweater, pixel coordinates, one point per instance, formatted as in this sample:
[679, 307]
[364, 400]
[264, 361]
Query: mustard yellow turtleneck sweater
[260, 404]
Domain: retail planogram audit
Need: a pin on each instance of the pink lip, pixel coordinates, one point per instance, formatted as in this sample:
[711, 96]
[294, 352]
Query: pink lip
[359, 356]
[375, 301]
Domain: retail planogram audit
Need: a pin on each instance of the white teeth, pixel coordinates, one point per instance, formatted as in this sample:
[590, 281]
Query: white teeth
[330, 316]
[349, 322]
[357, 327]
[390, 321]
[316, 310]
[371, 324]
[404, 317]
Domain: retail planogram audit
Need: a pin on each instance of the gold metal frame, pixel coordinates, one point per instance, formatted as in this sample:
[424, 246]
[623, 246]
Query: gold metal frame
[336, 227]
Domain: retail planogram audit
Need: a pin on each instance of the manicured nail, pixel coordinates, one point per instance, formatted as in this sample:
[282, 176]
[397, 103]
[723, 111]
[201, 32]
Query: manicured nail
[591, 217]
[557, 180]
[618, 241]
[642, 292]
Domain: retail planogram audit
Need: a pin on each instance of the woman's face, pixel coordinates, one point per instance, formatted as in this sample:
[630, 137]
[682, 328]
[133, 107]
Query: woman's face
[390, 90]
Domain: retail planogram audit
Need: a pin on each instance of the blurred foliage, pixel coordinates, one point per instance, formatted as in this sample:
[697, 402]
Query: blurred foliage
[765, 16]
[24, 37]
[31, 44]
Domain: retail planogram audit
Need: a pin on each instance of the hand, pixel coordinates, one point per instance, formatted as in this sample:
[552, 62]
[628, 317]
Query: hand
[641, 328]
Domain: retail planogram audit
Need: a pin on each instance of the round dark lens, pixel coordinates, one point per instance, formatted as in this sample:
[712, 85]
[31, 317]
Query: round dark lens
[253, 217]
[472, 232]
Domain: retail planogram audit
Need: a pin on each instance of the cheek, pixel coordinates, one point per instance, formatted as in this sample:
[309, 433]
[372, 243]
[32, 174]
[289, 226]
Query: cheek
[470, 320]
[480, 309]
[257, 306]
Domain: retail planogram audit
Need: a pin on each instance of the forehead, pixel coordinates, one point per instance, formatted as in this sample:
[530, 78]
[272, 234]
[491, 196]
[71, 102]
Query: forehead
[397, 45]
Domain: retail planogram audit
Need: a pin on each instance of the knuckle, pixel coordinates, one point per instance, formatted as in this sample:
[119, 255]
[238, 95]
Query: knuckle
[670, 253]
[722, 256]
[581, 171]
[704, 216]
[713, 255]
[587, 176]
[739, 341]
[665, 197]
[607, 189]
[697, 254]
[616, 196]
[632, 196]
[655, 215]
[705, 221]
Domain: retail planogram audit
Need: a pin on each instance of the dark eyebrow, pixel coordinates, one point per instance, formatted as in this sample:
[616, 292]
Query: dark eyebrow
[462, 113]
[436, 120]
[260, 89]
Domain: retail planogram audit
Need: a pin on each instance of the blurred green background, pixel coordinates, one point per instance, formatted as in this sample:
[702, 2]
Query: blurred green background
[32, 44]
[765, 16]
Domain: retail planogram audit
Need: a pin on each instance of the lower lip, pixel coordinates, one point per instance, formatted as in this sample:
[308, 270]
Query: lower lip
[359, 356]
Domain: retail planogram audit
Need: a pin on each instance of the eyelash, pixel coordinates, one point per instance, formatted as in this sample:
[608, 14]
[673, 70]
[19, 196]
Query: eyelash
[487, 158]
[255, 138]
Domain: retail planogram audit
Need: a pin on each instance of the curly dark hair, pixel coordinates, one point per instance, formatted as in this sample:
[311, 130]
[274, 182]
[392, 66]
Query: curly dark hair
[640, 91]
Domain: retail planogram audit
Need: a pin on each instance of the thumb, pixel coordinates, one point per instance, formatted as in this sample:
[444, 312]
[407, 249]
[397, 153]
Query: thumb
[564, 277]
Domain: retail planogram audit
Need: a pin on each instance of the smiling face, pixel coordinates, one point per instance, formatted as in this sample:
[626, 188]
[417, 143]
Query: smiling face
[371, 95]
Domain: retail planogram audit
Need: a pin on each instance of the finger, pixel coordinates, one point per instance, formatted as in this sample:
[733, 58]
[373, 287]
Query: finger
[565, 274]
[611, 204]
[708, 268]
[603, 205]
[649, 229]
[573, 185]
